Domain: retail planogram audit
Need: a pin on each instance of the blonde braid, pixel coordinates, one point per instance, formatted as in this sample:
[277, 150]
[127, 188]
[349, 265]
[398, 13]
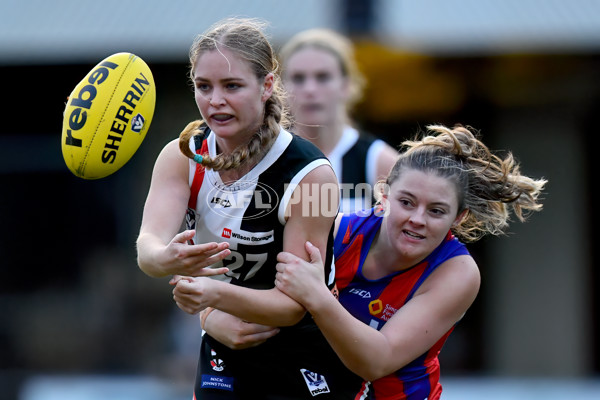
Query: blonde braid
[192, 129]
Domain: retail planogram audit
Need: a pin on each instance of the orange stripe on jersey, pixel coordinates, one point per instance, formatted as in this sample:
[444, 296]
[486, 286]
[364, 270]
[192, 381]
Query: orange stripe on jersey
[388, 387]
[400, 287]
[347, 265]
[346, 239]
[434, 380]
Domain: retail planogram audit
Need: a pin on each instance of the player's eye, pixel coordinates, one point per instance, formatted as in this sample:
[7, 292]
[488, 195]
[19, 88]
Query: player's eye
[298, 79]
[323, 77]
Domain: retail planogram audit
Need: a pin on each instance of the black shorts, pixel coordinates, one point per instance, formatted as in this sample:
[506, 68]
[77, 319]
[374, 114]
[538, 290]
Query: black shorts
[297, 363]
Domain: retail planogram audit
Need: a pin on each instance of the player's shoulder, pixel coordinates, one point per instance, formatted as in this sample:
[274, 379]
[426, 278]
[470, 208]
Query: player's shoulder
[171, 158]
[300, 144]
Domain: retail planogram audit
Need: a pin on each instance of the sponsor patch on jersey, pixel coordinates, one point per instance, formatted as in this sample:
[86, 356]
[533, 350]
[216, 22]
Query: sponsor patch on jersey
[217, 382]
[315, 382]
[252, 237]
[388, 312]
[375, 307]
[246, 237]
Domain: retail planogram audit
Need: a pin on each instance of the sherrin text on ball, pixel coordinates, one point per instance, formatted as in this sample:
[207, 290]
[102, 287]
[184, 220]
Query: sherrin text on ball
[107, 116]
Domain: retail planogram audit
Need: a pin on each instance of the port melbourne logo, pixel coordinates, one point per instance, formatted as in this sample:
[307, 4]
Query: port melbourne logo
[243, 199]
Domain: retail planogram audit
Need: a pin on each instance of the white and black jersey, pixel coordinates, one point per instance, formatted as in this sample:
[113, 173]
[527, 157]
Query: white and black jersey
[250, 212]
[354, 161]
[298, 362]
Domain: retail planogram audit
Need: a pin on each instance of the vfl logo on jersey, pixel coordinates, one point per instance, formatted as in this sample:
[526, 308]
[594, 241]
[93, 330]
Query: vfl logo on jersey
[242, 200]
[226, 233]
[316, 383]
[216, 363]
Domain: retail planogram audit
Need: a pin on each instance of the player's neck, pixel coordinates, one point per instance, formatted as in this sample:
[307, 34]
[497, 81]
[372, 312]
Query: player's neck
[324, 137]
[383, 258]
[233, 175]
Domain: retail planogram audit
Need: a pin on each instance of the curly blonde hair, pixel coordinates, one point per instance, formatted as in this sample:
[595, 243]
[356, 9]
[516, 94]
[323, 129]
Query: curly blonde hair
[245, 37]
[488, 186]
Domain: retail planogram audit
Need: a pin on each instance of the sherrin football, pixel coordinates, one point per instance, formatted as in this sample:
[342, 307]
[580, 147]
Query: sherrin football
[107, 116]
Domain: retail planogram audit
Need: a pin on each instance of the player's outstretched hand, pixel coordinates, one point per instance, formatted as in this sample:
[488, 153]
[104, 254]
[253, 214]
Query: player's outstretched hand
[181, 258]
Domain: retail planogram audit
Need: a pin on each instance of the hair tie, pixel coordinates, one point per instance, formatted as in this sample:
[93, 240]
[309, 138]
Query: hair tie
[198, 158]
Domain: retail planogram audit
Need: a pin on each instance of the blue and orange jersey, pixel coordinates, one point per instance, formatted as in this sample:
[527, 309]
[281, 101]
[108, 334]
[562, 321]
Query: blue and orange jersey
[374, 302]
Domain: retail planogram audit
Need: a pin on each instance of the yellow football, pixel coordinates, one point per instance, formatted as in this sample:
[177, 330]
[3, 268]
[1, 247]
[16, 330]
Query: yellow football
[107, 116]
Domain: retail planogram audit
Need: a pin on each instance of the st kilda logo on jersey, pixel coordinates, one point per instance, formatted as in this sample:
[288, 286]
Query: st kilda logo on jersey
[243, 199]
[216, 363]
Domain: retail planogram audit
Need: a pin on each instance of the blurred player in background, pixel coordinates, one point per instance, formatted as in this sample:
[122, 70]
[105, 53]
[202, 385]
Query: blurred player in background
[323, 83]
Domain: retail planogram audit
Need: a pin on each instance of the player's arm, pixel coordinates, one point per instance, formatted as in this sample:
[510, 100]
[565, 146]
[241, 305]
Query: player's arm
[312, 217]
[161, 249]
[438, 304]
[271, 307]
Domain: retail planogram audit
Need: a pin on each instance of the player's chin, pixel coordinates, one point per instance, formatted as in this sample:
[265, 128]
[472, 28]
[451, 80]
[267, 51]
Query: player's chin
[313, 119]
